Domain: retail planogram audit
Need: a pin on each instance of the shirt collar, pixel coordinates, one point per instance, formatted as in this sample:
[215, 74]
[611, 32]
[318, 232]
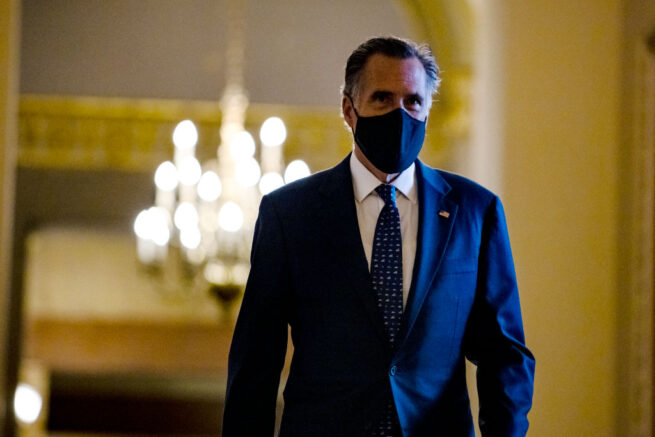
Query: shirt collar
[364, 182]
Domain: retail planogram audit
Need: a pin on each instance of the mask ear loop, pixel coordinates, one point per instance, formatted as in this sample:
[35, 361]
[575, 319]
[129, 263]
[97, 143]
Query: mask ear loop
[356, 113]
[352, 104]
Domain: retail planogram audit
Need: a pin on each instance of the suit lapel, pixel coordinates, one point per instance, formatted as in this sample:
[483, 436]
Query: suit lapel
[339, 215]
[437, 216]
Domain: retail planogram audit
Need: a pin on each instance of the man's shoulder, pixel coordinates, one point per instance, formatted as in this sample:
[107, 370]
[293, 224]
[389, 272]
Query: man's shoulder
[458, 187]
[303, 192]
[306, 185]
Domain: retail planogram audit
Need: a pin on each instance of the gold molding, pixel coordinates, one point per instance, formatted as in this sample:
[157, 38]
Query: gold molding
[135, 134]
[448, 26]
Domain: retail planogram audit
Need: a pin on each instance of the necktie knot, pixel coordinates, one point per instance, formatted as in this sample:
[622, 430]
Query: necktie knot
[388, 193]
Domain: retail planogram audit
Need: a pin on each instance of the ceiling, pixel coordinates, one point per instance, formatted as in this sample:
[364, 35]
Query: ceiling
[295, 49]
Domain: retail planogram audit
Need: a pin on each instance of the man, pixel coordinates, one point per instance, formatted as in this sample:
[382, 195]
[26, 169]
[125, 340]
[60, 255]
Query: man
[390, 274]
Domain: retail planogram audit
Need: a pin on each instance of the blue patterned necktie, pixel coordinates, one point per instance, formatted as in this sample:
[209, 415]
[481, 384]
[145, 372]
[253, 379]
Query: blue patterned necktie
[387, 281]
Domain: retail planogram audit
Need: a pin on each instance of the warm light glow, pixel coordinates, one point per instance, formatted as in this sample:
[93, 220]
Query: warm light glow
[185, 135]
[159, 232]
[190, 237]
[273, 132]
[188, 209]
[242, 146]
[142, 225]
[189, 172]
[186, 216]
[208, 221]
[152, 225]
[196, 255]
[166, 176]
[209, 187]
[215, 272]
[218, 273]
[297, 169]
[269, 182]
[240, 273]
[230, 217]
[248, 172]
[27, 403]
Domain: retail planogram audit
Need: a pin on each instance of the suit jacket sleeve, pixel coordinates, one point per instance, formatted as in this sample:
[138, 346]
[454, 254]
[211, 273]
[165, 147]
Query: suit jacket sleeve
[494, 337]
[260, 339]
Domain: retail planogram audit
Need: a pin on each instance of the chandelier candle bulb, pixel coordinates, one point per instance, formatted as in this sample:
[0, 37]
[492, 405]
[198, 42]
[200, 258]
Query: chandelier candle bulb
[151, 229]
[209, 187]
[159, 225]
[190, 237]
[166, 183]
[248, 172]
[242, 146]
[186, 216]
[230, 217]
[297, 169]
[189, 173]
[185, 135]
[166, 176]
[270, 181]
[145, 247]
[272, 134]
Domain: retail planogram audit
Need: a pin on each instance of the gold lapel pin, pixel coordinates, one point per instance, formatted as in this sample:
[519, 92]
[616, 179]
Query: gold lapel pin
[444, 214]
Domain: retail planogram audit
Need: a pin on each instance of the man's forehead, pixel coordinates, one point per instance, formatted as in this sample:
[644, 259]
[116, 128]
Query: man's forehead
[384, 73]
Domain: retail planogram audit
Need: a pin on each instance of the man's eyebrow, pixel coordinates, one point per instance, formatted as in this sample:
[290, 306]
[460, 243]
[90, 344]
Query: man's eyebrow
[380, 93]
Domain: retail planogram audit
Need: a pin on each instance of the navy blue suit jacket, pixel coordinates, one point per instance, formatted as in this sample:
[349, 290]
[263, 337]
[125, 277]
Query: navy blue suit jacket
[309, 272]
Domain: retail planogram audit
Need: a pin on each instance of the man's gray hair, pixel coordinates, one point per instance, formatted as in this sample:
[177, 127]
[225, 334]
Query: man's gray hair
[394, 48]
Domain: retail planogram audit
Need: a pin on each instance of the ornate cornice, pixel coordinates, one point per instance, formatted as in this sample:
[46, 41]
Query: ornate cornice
[135, 134]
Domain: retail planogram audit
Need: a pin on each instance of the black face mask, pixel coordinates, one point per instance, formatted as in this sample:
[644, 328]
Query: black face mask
[390, 141]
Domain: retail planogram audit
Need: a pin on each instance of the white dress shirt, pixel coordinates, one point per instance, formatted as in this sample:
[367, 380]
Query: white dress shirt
[369, 205]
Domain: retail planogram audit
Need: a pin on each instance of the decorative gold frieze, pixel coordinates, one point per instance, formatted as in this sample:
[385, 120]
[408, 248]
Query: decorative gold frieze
[131, 134]
[135, 134]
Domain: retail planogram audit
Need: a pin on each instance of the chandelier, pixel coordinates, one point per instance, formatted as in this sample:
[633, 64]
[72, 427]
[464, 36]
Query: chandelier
[198, 234]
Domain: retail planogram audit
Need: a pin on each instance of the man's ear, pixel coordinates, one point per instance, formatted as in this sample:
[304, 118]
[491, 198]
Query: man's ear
[348, 112]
